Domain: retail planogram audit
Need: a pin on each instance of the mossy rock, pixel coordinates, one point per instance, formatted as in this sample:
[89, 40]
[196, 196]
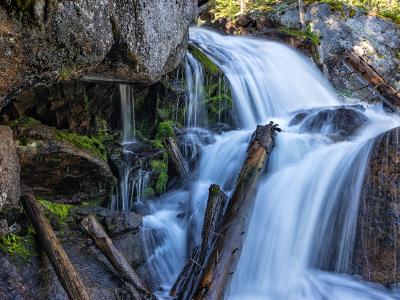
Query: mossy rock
[93, 144]
[19, 245]
[302, 34]
[160, 169]
[58, 210]
[207, 63]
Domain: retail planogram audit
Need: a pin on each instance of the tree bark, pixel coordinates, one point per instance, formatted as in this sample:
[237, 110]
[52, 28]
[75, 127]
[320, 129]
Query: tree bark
[179, 162]
[223, 259]
[301, 14]
[190, 275]
[390, 95]
[119, 262]
[63, 267]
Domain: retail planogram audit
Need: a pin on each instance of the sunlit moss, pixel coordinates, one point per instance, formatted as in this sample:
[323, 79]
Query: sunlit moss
[304, 34]
[58, 210]
[91, 144]
[18, 245]
[204, 60]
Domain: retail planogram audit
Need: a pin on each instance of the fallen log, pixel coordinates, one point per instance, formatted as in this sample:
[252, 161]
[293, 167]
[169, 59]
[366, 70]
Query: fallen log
[63, 267]
[118, 261]
[179, 162]
[190, 275]
[225, 255]
[390, 96]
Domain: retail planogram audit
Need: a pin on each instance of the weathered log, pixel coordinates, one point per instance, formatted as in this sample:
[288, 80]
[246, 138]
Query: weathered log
[179, 162]
[63, 267]
[225, 255]
[119, 262]
[190, 275]
[390, 96]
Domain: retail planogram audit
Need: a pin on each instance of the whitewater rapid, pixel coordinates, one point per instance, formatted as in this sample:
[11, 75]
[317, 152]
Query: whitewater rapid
[306, 201]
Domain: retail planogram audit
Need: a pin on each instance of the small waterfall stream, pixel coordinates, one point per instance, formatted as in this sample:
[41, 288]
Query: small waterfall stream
[127, 113]
[306, 202]
[132, 183]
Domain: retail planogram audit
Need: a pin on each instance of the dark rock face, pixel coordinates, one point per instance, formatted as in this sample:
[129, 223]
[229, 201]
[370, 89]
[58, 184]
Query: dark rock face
[340, 123]
[122, 40]
[377, 247]
[82, 107]
[9, 170]
[58, 169]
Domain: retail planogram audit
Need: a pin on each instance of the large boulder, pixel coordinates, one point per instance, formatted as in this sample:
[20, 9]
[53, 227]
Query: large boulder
[62, 166]
[9, 170]
[377, 246]
[339, 123]
[124, 40]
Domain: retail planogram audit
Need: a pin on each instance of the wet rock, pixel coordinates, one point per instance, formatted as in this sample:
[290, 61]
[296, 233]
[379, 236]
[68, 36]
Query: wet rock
[243, 20]
[130, 41]
[62, 166]
[116, 222]
[339, 123]
[298, 118]
[377, 245]
[9, 170]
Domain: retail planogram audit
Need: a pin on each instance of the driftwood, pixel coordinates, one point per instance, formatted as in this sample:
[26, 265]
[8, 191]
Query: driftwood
[190, 275]
[119, 262]
[222, 261]
[65, 271]
[179, 162]
[390, 95]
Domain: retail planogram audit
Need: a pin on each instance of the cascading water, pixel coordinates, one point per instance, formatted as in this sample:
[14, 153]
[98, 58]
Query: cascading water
[195, 114]
[308, 199]
[131, 185]
[127, 113]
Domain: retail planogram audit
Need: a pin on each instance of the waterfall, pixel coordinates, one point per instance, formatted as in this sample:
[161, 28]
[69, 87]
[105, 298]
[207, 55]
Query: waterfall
[195, 113]
[132, 182]
[306, 202]
[127, 113]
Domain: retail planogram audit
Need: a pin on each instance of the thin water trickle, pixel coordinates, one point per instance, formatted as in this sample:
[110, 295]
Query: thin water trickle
[306, 202]
[127, 113]
[132, 183]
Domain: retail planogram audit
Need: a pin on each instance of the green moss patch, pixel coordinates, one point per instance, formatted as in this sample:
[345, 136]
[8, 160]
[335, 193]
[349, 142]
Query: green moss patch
[303, 34]
[25, 122]
[165, 129]
[204, 60]
[58, 210]
[160, 167]
[91, 144]
[18, 245]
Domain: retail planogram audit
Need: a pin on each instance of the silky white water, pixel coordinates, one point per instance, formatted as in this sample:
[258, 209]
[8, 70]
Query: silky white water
[305, 203]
